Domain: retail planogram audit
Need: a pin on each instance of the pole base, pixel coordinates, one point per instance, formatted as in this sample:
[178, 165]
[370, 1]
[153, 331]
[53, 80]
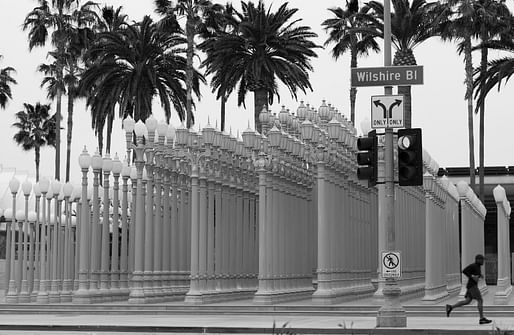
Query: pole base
[391, 317]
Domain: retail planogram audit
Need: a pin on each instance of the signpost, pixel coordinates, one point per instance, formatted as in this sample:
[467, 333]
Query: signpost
[391, 264]
[387, 111]
[387, 76]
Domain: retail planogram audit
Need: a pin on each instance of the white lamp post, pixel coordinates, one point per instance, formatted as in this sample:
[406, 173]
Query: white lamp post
[125, 174]
[54, 295]
[42, 297]
[96, 164]
[36, 245]
[128, 125]
[12, 296]
[105, 250]
[117, 168]
[82, 294]
[24, 293]
[137, 294]
[67, 191]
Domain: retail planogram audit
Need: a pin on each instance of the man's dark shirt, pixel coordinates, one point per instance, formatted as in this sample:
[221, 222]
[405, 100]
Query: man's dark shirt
[472, 269]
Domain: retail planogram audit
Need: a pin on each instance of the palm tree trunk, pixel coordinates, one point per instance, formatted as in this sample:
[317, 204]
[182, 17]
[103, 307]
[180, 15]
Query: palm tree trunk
[69, 134]
[407, 104]
[223, 105]
[189, 72]
[260, 102]
[58, 134]
[481, 138]
[37, 162]
[100, 142]
[109, 132]
[353, 90]
[469, 97]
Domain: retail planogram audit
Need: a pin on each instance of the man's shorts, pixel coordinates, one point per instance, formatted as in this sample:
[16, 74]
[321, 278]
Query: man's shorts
[474, 293]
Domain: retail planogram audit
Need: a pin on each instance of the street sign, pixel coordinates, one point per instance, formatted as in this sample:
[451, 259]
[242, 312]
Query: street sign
[387, 76]
[387, 111]
[391, 264]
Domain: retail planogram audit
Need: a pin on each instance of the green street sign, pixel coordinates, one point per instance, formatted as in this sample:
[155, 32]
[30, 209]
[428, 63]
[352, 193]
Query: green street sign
[387, 76]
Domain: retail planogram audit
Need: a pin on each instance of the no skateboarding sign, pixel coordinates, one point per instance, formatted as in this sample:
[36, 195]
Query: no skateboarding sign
[391, 264]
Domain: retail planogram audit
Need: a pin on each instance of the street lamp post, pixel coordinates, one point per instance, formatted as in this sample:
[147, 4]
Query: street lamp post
[105, 293]
[42, 296]
[125, 174]
[24, 292]
[82, 294]
[117, 168]
[12, 296]
[54, 295]
[391, 314]
[67, 288]
[137, 294]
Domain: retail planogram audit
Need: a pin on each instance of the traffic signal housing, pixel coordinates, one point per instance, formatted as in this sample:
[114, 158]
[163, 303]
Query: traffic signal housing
[367, 157]
[410, 157]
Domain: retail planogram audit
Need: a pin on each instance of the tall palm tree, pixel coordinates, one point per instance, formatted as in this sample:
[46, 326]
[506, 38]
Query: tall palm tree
[195, 12]
[494, 19]
[267, 47]
[217, 24]
[412, 23]
[55, 18]
[344, 32]
[6, 80]
[128, 68]
[36, 128]
[463, 20]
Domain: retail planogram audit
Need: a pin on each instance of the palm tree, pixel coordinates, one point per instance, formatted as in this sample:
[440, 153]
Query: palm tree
[498, 71]
[411, 24]
[36, 128]
[493, 19]
[463, 20]
[110, 20]
[59, 18]
[217, 24]
[267, 47]
[345, 34]
[131, 66]
[195, 12]
[6, 80]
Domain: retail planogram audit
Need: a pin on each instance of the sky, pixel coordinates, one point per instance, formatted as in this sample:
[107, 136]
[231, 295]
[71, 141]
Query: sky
[438, 106]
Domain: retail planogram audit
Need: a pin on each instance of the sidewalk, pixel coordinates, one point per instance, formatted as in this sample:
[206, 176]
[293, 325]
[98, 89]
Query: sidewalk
[300, 317]
[260, 324]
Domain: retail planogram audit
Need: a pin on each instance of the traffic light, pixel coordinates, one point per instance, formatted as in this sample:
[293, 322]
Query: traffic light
[410, 157]
[368, 157]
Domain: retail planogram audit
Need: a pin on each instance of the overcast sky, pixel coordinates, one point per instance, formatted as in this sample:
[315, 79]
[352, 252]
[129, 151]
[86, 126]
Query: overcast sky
[438, 106]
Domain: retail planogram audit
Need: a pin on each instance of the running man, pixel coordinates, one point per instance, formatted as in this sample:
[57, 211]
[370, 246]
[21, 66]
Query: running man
[473, 272]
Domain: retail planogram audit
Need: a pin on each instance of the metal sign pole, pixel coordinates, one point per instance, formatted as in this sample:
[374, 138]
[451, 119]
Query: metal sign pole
[391, 314]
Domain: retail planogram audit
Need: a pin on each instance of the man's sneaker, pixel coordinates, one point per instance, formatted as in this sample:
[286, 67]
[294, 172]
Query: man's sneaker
[484, 321]
[448, 310]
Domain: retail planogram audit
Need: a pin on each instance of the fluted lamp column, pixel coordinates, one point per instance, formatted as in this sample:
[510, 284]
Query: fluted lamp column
[24, 296]
[66, 295]
[96, 164]
[42, 296]
[36, 244]
[12, 294]
[128, 125]
[81, 296]
[54, 295]
[125, 175]
[117, 167]
[105, 247]
[137, 294]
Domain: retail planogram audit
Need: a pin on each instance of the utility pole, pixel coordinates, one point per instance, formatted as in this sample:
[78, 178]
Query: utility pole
[391, 314]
